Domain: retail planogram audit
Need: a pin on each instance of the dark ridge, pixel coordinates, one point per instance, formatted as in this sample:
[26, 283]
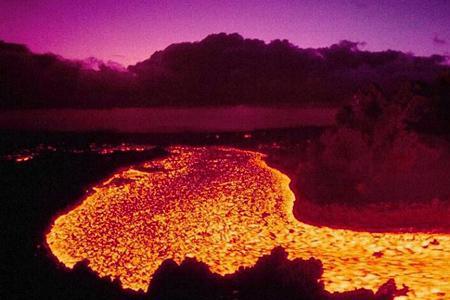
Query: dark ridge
[222, 69]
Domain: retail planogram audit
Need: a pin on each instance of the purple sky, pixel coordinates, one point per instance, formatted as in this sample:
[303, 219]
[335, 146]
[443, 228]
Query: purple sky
[130, 31]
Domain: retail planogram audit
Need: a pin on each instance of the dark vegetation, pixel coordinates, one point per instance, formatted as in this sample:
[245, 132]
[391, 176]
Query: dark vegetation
[389, 153]
[221, 69]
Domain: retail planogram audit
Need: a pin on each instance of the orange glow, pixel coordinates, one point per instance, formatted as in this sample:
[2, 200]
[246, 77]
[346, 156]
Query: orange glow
[23, 158]
[120, 148]
[226, 207]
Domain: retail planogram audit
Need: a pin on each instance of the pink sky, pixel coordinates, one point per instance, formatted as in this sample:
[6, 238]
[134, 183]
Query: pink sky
[130, 31]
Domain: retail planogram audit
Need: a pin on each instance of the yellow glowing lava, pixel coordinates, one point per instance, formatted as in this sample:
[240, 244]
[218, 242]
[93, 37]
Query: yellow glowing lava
[226, 207]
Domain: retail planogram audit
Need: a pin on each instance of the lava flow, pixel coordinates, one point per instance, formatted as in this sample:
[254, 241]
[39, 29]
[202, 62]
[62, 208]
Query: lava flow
[227, 208]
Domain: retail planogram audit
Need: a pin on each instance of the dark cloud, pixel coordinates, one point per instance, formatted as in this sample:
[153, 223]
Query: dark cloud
[222, 69]
[359, 4]
[438, 41]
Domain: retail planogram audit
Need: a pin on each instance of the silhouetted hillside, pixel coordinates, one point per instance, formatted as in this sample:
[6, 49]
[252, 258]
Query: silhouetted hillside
[222, 69]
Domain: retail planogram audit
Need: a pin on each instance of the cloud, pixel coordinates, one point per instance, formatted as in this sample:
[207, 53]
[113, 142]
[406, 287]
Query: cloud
[438, 41]
[359, 4]
[221, 69]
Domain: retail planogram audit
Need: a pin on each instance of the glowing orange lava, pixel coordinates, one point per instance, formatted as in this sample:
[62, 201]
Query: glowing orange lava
[226, 207]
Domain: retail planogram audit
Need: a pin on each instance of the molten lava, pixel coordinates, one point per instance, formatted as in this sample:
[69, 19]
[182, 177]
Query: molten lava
[226, 207]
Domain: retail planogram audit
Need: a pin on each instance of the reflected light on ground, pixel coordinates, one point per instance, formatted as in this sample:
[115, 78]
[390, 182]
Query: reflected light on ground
[227, 208]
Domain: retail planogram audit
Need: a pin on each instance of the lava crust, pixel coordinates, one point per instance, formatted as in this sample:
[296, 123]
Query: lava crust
[227, 207]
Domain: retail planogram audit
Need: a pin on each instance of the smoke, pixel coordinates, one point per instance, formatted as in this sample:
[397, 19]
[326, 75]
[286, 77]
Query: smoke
[221, 69]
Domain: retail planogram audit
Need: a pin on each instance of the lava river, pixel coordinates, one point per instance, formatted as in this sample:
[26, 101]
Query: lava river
[227, 207]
